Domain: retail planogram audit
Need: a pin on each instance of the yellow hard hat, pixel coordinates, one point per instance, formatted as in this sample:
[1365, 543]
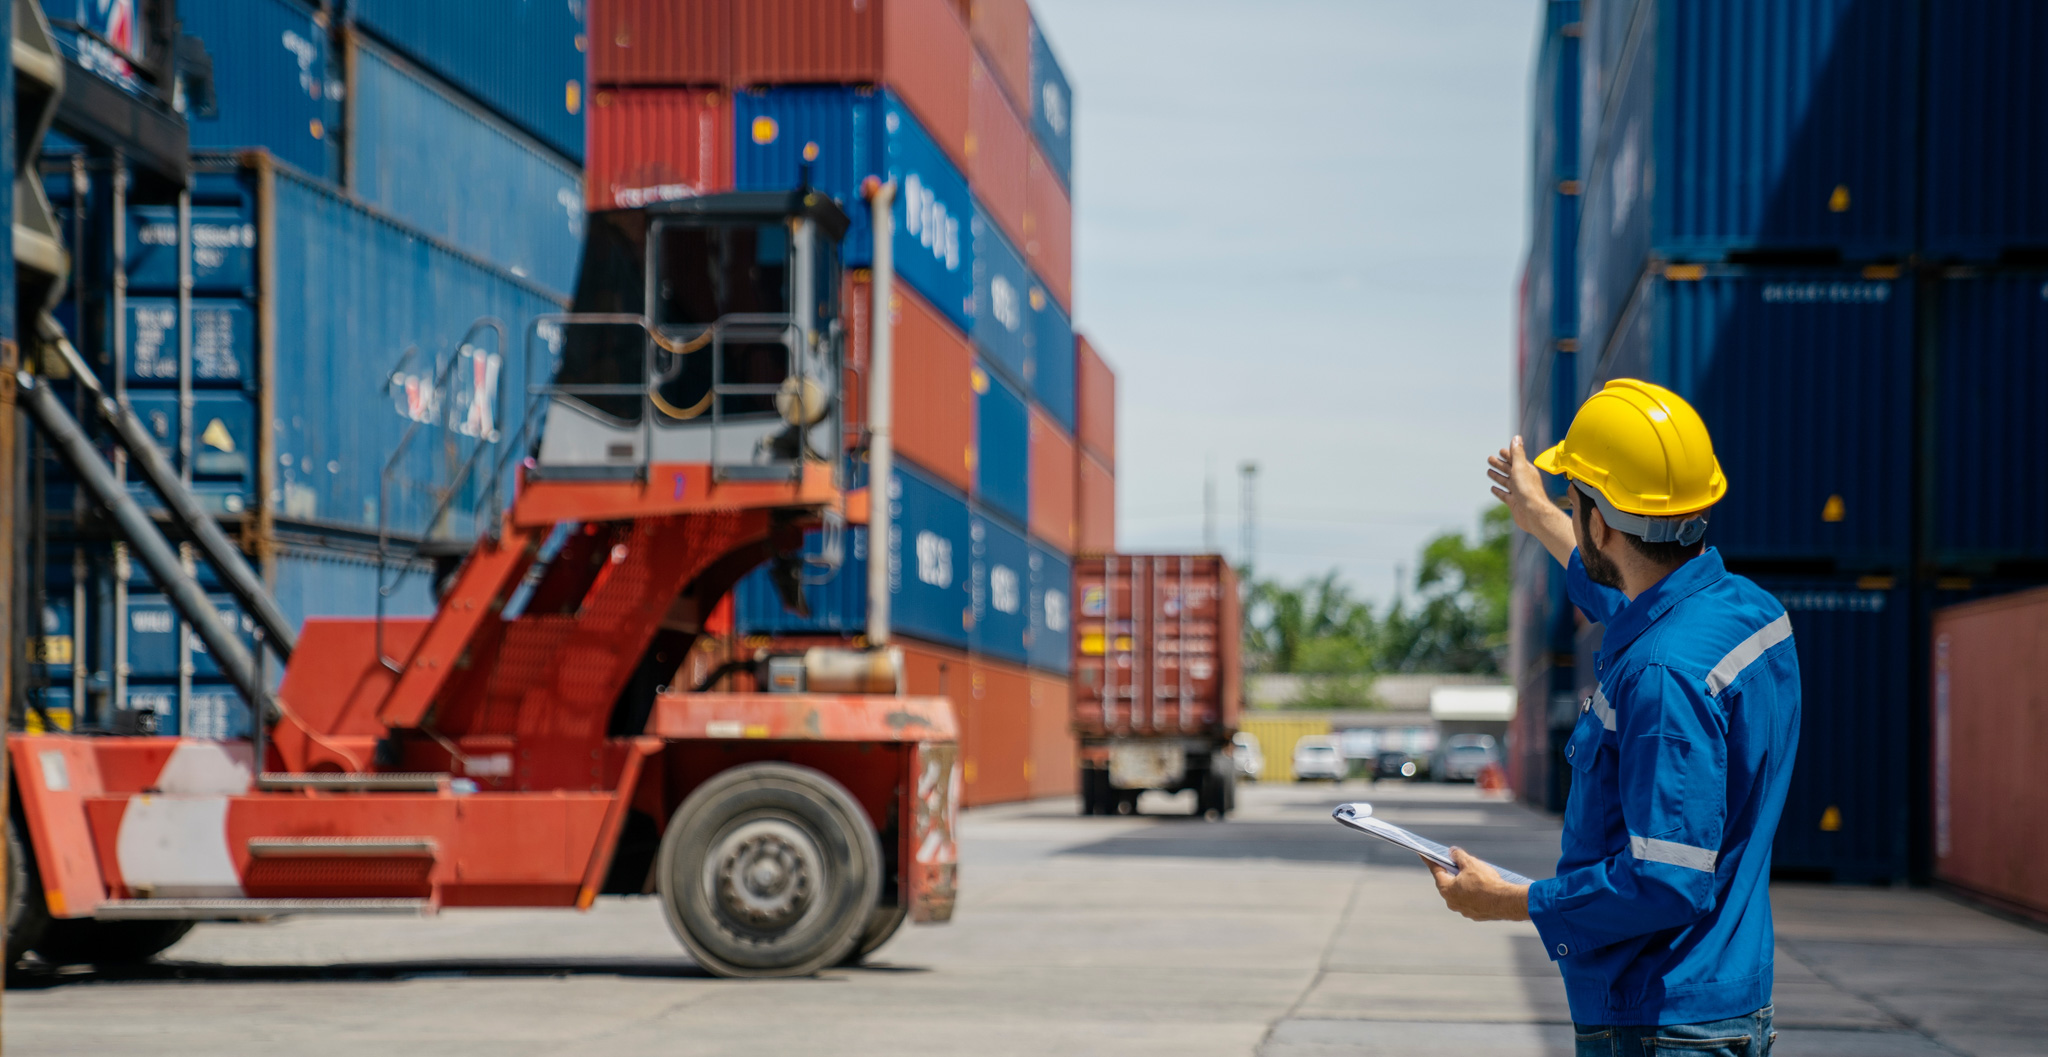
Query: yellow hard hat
[1643, 449]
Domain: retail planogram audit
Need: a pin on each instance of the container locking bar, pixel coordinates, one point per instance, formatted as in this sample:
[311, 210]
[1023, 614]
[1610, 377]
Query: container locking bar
[157, 556]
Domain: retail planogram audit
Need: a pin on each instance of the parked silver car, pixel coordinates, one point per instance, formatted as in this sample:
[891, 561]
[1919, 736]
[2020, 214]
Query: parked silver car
[1317, 757]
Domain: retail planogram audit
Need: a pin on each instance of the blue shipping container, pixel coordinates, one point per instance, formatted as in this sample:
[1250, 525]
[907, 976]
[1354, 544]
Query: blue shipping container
[1603, 38]
[1805, 378]
[1552, 275]
[1051, 645]
[1052, 366]
[524, 59]
[354, 293]
[308, 583]
[1989, 428]
[432, 160]
[1001, 577]
[223, 445]
[1002, 446]
[929, 581]
[276, 81]
[1846, 816]
[862, 132]
[223, 250]
[1052, 106]
[1002, 330]
[155, 626]
[1693, 162]
[1987, 130]
[223, 342]
[1554, 98]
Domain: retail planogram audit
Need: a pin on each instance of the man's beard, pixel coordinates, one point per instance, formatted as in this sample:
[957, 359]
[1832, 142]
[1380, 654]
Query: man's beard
[1599, 567]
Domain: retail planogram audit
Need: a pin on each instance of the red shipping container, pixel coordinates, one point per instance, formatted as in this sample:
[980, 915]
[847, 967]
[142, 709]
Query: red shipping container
[996, 745]
[1052, 483]
[664, 42]
[1055, 763]
[657, 144]
[1049, 229]
[998, 151]
[1095, 397]
[1095, 507]
[1990, 699]
[934, 397]
[1156, 648]
[1002, 29]
[919, 48]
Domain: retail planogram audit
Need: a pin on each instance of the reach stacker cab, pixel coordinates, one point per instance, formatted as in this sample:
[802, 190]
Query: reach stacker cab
[533, 743]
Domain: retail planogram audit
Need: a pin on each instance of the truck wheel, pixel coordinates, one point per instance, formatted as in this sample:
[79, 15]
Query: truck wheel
[882, 925]
[26, 915]
[1096, 796]
[769, 869]
[83, 941]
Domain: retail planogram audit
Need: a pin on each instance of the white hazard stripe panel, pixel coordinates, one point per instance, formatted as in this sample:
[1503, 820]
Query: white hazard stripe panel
[1746, 652]
[1602, 708]
[1672, 853]
[177, 847]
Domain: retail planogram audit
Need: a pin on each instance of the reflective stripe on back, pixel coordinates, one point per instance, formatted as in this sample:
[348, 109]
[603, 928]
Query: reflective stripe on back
[1747, 651]
[1672, 853]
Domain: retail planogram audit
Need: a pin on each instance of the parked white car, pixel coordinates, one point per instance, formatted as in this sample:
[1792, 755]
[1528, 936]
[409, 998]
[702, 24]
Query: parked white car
[1246, 755]
[1318, 757]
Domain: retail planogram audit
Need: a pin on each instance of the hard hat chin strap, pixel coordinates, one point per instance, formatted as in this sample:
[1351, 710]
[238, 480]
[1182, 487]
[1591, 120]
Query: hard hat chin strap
[1685, 530]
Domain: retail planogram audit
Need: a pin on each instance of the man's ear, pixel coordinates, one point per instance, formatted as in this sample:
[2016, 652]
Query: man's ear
[1596, 528]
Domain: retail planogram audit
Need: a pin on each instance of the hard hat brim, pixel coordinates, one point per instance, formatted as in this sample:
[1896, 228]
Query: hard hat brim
[1550, 460]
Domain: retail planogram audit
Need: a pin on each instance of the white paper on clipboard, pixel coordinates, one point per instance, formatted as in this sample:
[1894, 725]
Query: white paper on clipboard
[1359, 817]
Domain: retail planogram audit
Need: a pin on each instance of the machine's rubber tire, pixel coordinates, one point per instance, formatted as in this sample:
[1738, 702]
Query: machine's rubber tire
[1215, 798]
[787, 841]
[882, 925]
[1097, 798]
[83, 941]
[27, 917]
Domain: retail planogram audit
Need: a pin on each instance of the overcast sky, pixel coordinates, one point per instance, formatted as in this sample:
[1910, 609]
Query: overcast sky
[1301, 223]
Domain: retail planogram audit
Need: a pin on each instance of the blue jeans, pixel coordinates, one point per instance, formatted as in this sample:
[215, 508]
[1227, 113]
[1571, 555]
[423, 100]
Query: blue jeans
[1746, 1036]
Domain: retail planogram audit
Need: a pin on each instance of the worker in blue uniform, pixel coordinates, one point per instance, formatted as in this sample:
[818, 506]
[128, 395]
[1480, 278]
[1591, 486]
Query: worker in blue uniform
[1659, 917]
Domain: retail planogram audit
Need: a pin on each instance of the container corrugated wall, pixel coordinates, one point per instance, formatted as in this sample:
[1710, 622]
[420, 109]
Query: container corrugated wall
[1052, 483]
[1094, 507]
[1987, 131]
[1002, 447]
[353, 293]
[1750, 126]
[1276, 742]
[1002, 326]
[1095, 402]
[998, 150]
[1051, 643]
[427, 157]
[1051, 370]
[1052, 106]
[1156, 646]
[660, 42]
[1988, 802]
[1055, 762]
[1000, 585]
[934, 375]
[276, 80]
[1846, 816]
[1805, 379]
[1991, 385]
[1049, 229]
[658, 145]
[523, 59]
[1002, 30]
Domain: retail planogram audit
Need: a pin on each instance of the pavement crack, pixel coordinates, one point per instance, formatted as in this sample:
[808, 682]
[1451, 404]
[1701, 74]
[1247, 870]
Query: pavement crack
[1322, 960]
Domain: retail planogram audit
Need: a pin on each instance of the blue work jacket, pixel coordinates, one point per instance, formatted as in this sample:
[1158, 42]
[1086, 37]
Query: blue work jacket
[1660, 912]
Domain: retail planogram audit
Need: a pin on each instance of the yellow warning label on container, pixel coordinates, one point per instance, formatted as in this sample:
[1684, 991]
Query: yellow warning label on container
[1839, 201]
[1834, 509]
[217, 437]
[49, 649]
[1091, 645]
[1831, 819]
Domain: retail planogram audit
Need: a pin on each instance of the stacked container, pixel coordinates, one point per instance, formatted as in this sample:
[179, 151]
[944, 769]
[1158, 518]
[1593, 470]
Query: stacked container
[379, 210]
[1842, 274]
[963, 107]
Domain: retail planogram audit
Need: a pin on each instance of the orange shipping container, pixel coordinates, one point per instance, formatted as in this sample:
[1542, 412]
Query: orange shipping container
[660, 42]
[657, 145]
[998, 151]
[1156, 648]
[1055, 756]
[1002, 28]
[1095, 514]
[996, 745]
[1052, 483]
[1049, 229]
[934, 397]
[1095, 397]
[1990, 735]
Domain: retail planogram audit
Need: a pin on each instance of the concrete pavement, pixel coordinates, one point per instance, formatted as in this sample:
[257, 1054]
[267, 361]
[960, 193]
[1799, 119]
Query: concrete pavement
[1277, 933]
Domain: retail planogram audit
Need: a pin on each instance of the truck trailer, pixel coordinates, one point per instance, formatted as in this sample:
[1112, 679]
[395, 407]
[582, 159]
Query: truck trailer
[1158, 683]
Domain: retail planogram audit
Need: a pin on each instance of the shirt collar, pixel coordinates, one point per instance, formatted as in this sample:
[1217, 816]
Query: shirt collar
[1637, 616]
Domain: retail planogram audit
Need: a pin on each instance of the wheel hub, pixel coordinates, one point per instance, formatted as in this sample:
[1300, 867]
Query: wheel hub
[765, 875]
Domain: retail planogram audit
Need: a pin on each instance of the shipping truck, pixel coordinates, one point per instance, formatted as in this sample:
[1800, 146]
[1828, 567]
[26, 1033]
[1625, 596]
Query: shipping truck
[1158, 682]
[535, 742]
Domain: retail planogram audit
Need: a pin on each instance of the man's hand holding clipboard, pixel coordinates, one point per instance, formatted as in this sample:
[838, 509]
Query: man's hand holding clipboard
[1469, 885]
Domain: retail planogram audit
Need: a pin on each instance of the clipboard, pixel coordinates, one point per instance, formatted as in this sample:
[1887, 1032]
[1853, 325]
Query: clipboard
[1358, 816]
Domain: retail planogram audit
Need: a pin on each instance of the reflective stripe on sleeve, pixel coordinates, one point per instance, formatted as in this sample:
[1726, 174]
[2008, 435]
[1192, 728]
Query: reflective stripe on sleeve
[1602, 709]
[1672, 853]
[1746, 652]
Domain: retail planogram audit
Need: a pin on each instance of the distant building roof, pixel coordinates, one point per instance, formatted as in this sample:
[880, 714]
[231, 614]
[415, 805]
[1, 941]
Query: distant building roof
[1483, 703]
